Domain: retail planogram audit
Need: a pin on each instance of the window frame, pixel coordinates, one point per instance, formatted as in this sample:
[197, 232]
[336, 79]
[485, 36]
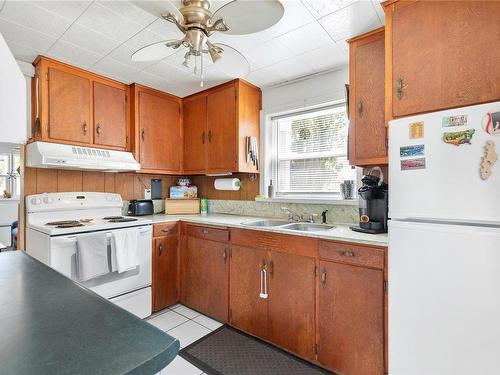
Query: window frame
[12, 177]
[270, 159]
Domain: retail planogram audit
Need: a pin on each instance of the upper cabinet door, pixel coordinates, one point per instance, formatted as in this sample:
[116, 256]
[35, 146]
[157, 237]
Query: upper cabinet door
[159, 132]
[69, 107]
[221, 137]
[195, 134]
[367, 131]
[444, 54]
[110, 115]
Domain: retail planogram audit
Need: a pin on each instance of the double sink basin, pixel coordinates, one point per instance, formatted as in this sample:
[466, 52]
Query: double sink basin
[293, 226]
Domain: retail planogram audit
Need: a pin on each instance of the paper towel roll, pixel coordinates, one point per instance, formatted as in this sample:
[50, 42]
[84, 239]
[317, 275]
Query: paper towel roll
[227, 184]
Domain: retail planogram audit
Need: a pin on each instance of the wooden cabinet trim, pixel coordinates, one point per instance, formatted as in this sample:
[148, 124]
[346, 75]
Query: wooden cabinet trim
[353, 254]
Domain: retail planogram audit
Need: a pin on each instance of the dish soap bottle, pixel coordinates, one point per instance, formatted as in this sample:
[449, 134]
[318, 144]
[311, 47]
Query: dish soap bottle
[270, 190]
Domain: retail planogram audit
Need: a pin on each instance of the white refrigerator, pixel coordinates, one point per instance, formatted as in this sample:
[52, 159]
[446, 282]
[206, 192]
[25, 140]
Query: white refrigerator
[444, 242]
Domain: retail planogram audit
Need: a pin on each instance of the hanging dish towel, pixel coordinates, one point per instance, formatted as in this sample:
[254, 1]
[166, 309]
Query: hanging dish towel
[91, 255]
[124, 247]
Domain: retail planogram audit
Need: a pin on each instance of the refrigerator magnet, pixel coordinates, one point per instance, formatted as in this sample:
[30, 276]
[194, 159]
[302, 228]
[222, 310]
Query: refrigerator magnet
[416, 130]
[459, 138]
[450, 121]
[491, 123]
[490, 157]
[413, 150]
[412, 164]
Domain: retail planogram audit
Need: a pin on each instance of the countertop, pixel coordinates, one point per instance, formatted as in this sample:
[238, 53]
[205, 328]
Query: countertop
[339, 233]
[52, 325]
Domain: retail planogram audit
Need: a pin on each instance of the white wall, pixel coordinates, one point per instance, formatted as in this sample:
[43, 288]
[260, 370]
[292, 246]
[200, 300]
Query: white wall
[12, 98]
[315, 90]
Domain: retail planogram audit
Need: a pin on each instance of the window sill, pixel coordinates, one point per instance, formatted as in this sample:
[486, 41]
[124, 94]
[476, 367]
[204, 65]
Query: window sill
[332, 201]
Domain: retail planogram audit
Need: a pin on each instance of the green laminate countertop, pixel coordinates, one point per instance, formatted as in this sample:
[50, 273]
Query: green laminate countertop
[52, 325]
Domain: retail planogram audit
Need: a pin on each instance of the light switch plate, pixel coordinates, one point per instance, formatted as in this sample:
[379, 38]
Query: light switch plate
[147, 193]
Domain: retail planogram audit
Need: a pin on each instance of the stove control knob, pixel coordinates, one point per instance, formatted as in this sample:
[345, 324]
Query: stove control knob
[109, 198]
[47, 200]
[36, 200]
[117, 199]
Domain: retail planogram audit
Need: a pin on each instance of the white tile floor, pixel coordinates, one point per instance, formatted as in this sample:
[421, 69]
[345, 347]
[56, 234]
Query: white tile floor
[187, 326]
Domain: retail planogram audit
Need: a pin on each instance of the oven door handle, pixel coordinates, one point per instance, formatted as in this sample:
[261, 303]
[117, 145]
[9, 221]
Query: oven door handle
[108, 235]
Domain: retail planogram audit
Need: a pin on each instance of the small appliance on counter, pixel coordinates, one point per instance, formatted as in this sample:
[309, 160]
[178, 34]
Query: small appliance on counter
[373, 205]
[140, 207]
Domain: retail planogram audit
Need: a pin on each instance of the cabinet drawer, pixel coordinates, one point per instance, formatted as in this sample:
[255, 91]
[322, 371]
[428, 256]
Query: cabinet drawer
[208, 233]
[352, 254]
[164, 229]
[297, 245]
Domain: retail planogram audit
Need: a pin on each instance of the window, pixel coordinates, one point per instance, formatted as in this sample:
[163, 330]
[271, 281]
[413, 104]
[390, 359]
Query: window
[9, 173]
[310, 153]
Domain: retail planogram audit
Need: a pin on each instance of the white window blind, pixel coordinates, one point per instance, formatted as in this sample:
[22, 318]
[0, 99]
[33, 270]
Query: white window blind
[311, 152]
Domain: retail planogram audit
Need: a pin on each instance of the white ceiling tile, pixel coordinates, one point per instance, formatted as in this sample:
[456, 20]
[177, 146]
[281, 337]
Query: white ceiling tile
[379, 9]
[113, 68]
[27, 14]
[90, 40]
[325, 58]
[353, 20]
[165, 71]
[264, 77]
[129, 10]
[165, 29]
[23, 53]
[305, 38]
[154, 81]
[21, 35]
[293, 68]
[321, 8]
[123, 54]
[267, 54]
[143, 39]
[105, 21]
[73, 54]
[70, 9]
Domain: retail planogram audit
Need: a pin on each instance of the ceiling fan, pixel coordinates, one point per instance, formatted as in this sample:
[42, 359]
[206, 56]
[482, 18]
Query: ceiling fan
[196, 20]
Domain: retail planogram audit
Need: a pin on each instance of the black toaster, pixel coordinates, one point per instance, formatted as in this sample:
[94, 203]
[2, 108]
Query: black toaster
[140, 207]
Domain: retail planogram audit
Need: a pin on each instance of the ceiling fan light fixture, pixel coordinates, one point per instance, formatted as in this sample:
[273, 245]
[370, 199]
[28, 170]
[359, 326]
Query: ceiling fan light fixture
[214, 54]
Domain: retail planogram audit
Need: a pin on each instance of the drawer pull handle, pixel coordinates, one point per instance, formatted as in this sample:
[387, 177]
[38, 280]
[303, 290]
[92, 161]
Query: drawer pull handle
[346, 253]
[205, 231]
[224, 255]
[166, 230]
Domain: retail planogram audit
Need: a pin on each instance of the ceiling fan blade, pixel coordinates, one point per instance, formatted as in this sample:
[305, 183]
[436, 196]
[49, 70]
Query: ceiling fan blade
[159, 8]
[153, 52]
[264, 14]
[232, 62]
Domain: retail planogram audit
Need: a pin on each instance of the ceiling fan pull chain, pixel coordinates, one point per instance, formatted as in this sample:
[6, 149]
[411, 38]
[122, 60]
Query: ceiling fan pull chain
[201, 63]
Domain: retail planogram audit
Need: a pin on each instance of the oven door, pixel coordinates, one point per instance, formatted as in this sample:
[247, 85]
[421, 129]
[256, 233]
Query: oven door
[62, 257]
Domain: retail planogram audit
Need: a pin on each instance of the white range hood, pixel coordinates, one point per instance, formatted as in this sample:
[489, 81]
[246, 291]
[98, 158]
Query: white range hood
[54, 155]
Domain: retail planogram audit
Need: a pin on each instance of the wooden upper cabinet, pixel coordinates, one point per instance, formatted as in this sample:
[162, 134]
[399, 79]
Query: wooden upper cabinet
[442, 55]
[221, 122]
[68, 106]
[351, 319]
[70, 103]
[110, 115]
[367, 129]
[217, 123]
[157, 130]
[195, 134]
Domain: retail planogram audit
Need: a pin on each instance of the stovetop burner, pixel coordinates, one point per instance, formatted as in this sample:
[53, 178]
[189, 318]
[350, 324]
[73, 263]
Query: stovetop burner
[64, 222]
[122, 220]
[70, 225]
[112, 217]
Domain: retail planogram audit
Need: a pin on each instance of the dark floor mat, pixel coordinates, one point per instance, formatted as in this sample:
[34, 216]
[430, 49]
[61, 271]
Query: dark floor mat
[227, 351]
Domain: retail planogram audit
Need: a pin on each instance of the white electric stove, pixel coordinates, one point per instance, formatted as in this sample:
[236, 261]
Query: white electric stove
[53, 222]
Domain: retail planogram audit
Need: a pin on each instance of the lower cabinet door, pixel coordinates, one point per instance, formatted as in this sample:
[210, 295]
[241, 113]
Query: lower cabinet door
[351, 326]
[205, 277]
[165, 272]
[291, 302]
[248, 309]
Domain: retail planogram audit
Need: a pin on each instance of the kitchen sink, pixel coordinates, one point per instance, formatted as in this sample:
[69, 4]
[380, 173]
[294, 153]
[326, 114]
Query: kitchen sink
[265, 223]
[307, 227]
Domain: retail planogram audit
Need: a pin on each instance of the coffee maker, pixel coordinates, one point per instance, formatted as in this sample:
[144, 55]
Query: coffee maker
[373, 203]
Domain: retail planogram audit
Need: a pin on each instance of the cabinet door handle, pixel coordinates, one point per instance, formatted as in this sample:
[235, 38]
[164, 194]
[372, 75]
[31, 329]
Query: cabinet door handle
[203, 137]
[263, 281]
[143, 134]
[399, 88]
[346, 253]
[360, 107]
[166, 230]
[160, 249]
[271, 268]
[205, 231]
[209, 136]
[98, 129]
[84, 128]
[323, 278]
[224, 255]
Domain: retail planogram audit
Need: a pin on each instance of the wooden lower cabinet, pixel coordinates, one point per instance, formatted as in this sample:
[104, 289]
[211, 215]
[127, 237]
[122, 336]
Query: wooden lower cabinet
[286, 316]
[165, 261]
[205, 277]
[351, 319]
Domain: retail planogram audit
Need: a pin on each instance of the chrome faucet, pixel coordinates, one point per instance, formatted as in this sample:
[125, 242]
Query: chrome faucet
[291, 215]
[312, 218]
